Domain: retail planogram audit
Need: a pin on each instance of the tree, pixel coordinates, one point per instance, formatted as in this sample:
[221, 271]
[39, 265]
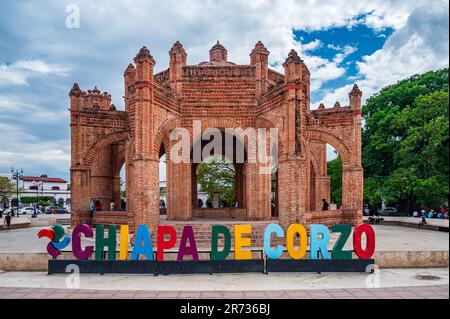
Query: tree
[35, 199]
[334, 169]
[217, 175]
[405, 143]
[6, 187]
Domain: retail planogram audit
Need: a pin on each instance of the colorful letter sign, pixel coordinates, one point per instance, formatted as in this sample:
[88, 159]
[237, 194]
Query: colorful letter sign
[296, 239]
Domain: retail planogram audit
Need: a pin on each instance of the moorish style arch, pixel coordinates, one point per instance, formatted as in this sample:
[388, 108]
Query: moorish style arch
[220, 94]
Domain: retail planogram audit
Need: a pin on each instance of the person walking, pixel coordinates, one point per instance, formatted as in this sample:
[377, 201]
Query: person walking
[35, 212]
[325, 204]
[7, 221]
[91, 211]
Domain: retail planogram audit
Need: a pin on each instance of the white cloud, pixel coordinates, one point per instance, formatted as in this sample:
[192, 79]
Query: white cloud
[420, 46]
[42, 67]
[112, 32]
[27, 151]
[313, 45]
[19, 72]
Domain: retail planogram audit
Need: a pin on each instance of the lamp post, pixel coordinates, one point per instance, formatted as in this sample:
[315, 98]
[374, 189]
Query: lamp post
[38, 185]
[17, 176]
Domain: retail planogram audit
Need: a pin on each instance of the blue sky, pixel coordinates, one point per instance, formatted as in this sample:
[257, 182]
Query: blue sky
[372, 43]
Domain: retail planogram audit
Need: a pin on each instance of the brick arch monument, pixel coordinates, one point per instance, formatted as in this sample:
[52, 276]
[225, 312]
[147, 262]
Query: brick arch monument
[219, 94]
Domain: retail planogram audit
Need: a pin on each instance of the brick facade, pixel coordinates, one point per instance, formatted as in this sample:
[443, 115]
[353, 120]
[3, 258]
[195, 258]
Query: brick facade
[220, 94]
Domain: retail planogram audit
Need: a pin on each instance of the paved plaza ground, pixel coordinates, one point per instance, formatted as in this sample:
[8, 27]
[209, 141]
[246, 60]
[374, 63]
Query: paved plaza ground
[384, 278]
[385, 283]
[424, 292]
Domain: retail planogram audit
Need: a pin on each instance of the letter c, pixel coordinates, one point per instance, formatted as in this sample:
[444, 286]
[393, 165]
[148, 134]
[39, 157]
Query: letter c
[78, 252]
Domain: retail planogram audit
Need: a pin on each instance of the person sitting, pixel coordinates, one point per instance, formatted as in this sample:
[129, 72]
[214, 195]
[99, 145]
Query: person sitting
[440, 216]
[415, 214]
[422, 222]
[98, 206]
[430, 214]
[445, 215]
[325, 204]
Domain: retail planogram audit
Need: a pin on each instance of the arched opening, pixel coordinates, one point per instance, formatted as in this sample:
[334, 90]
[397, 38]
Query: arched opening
[108, 177]
[325, 177]
[274, 193]
[218, 181]
[123, 189]
[334, 172]
[163, 185]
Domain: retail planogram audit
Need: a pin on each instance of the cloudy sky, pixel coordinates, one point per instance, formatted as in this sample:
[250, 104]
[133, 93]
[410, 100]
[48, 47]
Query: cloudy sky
[372, 43]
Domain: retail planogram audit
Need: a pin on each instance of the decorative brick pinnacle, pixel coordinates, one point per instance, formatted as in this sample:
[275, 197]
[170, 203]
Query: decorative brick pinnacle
[293, 58]
[218, 46]
[260, 48]
[144, 54]
[337, 105]
[355, 90]
[177, 48]
[76, 91]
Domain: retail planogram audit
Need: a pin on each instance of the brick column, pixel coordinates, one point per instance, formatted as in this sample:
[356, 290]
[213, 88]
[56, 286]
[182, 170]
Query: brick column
[258, 193]
[292, 179]
[352, 190]
[146, 192]
[179, 199]
[145, 187]
[79, 192]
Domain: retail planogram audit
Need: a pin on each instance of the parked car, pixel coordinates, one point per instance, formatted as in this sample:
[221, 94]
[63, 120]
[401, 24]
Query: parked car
[387, 211]
[55, 210]
[26, 211]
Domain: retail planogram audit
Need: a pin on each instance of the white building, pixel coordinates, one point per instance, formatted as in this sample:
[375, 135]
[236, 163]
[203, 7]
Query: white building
[39, 186]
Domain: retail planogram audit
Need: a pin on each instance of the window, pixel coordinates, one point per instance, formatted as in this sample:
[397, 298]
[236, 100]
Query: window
[34, 187]
[55, 188]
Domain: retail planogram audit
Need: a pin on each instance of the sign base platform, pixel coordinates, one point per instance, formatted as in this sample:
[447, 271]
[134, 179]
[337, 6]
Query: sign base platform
[139, 267]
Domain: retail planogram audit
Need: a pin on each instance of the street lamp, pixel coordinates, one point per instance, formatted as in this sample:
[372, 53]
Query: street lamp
[38, 185]
[17, 176]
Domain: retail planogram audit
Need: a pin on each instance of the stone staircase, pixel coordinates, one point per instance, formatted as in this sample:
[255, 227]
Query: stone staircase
[202, 232]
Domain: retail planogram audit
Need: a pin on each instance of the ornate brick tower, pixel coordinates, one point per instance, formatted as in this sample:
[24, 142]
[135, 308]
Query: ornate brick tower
[215, 94]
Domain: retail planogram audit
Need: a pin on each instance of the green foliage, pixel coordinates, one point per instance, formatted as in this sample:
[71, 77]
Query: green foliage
[6, 187]
[334, 169]
[405, 143]
[44, 203]
[35, 199]
[217, 175]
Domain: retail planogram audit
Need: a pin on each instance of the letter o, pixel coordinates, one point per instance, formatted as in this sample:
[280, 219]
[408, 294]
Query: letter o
[370, 241]
[291, 231]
